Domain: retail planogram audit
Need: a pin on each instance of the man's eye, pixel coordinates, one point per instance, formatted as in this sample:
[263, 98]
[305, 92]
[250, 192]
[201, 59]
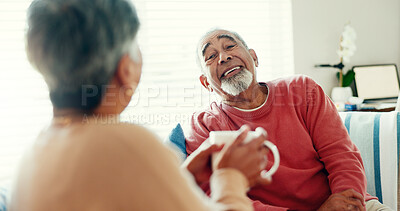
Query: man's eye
[230, 46]
[210, 57]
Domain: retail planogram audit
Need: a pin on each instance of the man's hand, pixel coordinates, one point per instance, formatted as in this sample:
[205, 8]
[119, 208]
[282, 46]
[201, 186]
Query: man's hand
[346, 200]
[199, 162]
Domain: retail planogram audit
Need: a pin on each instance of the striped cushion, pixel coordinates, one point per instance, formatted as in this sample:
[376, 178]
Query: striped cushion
[377, 136]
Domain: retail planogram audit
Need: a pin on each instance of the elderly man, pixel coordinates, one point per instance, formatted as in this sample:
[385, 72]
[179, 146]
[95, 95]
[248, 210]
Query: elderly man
[321, 169]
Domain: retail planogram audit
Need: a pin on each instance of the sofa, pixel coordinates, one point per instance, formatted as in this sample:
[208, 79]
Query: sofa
[377, 136]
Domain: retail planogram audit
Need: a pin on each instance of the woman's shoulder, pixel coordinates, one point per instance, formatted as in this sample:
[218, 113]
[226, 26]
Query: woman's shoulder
[127, 130]
[118, 145]
[111, 160]
[126, 135]
[116, 142]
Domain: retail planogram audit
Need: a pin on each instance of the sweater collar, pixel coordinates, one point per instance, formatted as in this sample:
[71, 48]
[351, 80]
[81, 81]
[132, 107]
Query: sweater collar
[256, 113]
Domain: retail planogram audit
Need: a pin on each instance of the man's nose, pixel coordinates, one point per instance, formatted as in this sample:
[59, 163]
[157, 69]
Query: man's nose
[224, 57]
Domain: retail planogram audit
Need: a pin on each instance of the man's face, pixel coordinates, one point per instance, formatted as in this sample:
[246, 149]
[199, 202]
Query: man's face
[228, 65]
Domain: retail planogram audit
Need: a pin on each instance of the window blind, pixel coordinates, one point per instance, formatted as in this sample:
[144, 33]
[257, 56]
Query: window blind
[169, 91]
[25, 107]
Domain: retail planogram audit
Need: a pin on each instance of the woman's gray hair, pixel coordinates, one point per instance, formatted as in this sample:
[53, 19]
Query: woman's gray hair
[76, 44]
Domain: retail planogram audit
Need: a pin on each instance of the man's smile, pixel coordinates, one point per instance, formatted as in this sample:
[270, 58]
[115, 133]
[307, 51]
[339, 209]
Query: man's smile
[231, 71]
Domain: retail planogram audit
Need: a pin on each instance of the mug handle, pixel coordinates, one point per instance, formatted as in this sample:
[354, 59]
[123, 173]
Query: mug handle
[268, 174]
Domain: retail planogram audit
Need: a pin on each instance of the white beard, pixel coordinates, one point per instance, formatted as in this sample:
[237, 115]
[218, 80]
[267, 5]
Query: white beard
[237, 83]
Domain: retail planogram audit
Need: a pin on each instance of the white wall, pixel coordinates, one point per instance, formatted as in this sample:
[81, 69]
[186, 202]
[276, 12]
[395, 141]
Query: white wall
[318, 24]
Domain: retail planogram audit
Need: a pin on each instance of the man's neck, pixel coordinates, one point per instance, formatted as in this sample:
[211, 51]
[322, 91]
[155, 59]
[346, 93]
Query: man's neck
[251, 98]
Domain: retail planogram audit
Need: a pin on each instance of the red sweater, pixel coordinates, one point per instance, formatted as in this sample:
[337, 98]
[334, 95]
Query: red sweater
[317, 155]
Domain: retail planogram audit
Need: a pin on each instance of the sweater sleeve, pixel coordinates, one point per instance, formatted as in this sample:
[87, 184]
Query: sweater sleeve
[229, 188]
[201, 125]
[225, 195]
[340, 156]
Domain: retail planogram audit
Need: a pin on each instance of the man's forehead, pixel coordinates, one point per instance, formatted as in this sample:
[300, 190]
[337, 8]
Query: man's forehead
[218, 35]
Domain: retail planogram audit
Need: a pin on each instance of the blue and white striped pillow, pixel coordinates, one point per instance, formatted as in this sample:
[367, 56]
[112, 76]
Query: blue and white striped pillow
[377, 136]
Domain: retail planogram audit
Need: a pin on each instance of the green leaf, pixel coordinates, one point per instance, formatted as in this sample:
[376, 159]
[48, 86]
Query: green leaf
[347, 78]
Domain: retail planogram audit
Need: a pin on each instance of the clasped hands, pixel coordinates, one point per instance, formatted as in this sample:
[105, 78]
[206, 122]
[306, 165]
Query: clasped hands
[248, 158]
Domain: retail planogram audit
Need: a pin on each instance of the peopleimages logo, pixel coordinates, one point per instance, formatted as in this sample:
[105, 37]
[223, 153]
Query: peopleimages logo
[142, 118]
[189, 96]
[151, 96]
[157, 119]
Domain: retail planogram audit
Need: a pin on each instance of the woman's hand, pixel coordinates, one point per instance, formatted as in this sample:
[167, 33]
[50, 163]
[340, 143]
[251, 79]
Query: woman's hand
[199, 162]
[249, 158]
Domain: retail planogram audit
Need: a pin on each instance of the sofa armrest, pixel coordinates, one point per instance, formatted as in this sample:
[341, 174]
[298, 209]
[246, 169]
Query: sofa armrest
[377, 136]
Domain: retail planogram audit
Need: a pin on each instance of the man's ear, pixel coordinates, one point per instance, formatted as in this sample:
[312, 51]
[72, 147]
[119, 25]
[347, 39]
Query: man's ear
[254, 56]
[204, 82]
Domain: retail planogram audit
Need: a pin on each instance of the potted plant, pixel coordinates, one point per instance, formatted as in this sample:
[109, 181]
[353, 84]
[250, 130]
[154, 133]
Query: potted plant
[347, 47]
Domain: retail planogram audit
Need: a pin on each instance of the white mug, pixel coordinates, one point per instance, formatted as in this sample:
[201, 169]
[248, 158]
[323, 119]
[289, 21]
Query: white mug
[224, 137]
